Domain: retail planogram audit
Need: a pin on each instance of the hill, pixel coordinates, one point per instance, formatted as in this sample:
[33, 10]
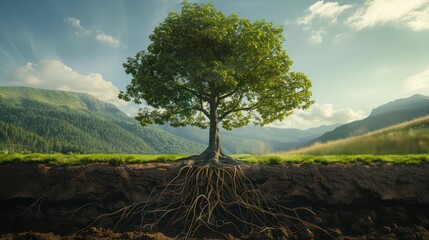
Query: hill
[253, 139]
[62, 99]
[56, 121]
[389, 114]
[416, 101]
[411, 137]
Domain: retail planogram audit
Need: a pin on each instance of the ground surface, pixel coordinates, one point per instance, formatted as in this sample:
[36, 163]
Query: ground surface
[352, 201]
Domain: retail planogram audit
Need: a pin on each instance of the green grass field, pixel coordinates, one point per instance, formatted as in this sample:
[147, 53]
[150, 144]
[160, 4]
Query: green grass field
[406, 138]
[118, 159]
[75, 159]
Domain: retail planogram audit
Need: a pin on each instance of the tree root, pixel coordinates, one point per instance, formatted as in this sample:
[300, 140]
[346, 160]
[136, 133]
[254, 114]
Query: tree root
[203, 199]
[28, 212]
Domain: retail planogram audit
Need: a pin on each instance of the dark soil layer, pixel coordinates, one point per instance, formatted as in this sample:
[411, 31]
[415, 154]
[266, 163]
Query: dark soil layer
[351, 201]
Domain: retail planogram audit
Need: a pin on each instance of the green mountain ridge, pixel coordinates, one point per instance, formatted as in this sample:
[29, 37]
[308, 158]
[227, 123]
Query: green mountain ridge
[411, 137]
[59, 121]
[414, 102]
[40, 120]
[395, 112]
[62, 99]
[72, 100]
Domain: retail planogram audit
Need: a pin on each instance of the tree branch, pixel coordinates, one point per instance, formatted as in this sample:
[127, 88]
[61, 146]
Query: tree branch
[232, 109]
[199, 95]
[232, 92]
[250, 108]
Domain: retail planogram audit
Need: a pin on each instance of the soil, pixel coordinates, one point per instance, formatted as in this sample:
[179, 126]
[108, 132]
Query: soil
[351, 201]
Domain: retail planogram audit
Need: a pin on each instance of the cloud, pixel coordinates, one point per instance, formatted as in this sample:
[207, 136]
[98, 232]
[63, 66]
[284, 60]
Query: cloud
[55, 75]
[317, 36]
[413, 14]
[100, 36]
[320, 114]
[339, 37]
[74, 22]
[321, 9]
[418, 83]
[105, 38]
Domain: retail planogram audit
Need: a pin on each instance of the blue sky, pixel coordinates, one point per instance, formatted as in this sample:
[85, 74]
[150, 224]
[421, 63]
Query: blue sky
[358, 54]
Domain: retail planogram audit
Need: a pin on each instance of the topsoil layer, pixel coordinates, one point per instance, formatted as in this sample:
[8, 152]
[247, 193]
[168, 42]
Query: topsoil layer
[352, 201]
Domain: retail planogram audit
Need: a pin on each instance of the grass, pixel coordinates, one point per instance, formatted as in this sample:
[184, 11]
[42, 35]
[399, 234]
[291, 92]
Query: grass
[327, 159]
[118, 159]
[75, 159]
[406, 138]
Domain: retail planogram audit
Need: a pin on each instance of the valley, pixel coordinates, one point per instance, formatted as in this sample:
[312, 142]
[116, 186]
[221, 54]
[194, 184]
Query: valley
[47, 121]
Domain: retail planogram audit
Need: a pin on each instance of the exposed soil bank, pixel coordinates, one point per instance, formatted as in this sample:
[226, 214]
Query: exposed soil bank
[381, 201]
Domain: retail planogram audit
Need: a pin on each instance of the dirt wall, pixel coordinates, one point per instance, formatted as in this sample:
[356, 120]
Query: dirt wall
[352, 198]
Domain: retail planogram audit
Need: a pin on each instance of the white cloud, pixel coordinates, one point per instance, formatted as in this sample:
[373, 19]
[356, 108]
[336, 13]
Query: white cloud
[411, 13]
[418, 83]
[320, 114]
[52, 74]
[74, 22]
[105, 38]
[339, 37]
[321, 9]
[317, 36]
[100, 36]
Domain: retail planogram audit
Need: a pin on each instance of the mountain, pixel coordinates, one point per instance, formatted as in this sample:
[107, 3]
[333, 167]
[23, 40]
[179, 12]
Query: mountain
[323, 129]
[58, 121]
[411, 137]
[414, 102]
[401, 110]
[253, 139]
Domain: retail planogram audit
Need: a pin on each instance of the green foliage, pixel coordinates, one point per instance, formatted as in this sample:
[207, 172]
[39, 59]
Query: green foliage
[202, 64]
[274, 160]
[406, 138]
[27, 125]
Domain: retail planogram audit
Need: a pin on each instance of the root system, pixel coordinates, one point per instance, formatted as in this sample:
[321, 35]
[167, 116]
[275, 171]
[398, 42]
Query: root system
[211, 200]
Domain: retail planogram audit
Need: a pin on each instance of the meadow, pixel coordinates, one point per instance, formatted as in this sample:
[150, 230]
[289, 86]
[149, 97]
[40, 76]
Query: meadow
[118, 159]
[411, 137]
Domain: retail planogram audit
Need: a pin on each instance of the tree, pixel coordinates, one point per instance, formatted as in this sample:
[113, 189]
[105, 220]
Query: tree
[203, 68]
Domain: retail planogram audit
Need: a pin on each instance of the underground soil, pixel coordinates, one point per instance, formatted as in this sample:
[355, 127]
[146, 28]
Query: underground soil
[350, 201]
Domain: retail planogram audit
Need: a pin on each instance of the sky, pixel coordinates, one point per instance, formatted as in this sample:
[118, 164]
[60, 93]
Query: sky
[358, 54]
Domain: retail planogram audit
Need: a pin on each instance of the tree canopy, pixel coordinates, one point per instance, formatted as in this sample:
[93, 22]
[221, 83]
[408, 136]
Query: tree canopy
[201, 59]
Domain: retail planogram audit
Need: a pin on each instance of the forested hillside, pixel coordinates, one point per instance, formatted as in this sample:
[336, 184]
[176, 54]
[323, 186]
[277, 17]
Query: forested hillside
[54, 121]
[40, 120]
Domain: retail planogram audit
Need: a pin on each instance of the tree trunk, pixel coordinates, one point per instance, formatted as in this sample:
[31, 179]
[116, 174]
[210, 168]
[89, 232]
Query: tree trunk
[213, 151]
[213, 154]
[214, 141]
